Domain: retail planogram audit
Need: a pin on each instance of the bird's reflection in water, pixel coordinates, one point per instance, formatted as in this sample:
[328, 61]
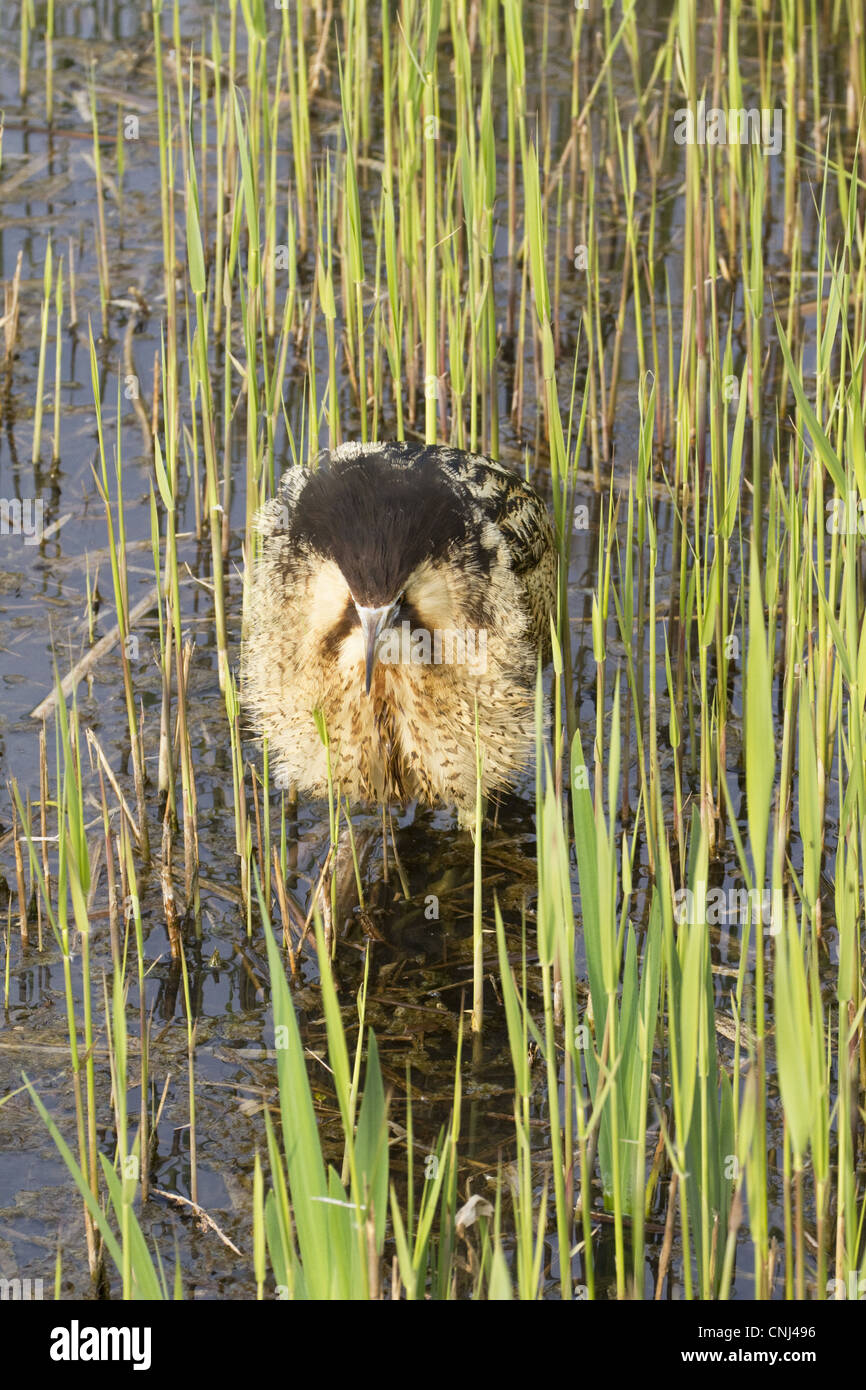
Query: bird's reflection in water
[417, 883]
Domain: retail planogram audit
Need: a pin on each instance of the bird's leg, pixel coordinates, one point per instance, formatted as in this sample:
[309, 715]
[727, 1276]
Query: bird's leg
[466, 816]
[404, 882]
[352, 845]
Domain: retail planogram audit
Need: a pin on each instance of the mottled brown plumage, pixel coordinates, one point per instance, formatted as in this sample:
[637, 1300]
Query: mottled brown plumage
[360, 558]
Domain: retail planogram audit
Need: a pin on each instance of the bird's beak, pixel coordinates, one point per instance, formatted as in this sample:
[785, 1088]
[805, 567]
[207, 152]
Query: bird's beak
[373, 621]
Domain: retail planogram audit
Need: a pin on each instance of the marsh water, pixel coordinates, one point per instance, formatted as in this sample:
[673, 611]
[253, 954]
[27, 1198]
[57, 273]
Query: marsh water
[420, 965]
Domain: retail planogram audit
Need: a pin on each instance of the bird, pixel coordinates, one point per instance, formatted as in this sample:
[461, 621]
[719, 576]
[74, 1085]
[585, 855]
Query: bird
[400, 588]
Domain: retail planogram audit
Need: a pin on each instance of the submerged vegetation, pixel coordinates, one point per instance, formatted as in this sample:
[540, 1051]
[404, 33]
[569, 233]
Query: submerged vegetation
[635, 1063]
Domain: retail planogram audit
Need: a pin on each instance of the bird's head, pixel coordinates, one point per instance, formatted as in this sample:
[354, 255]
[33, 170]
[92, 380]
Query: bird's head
[387, 545]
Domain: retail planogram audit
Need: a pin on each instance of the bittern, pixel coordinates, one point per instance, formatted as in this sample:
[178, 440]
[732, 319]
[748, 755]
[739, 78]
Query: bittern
[399, 588]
